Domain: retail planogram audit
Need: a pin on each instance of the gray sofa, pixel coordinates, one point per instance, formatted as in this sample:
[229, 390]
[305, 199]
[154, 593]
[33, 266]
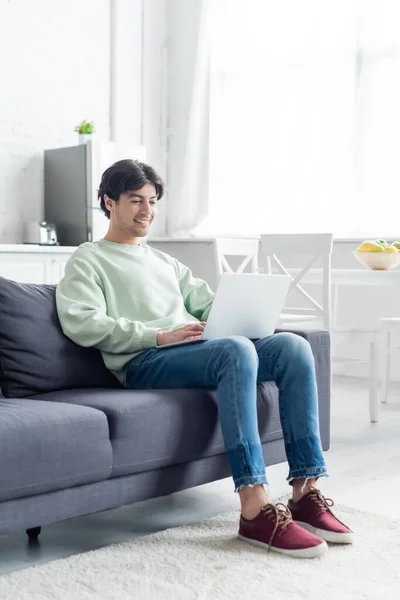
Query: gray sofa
[73, 442]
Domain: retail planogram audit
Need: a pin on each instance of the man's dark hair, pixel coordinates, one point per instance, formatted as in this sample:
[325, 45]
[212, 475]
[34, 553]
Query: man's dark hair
[127, 176]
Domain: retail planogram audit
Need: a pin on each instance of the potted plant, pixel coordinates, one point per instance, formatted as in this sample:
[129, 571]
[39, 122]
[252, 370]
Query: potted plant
[85, 130]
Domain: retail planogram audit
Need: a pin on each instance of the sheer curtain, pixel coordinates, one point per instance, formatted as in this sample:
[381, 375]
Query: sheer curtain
[377, 148]
[188, 114]
[304, 117]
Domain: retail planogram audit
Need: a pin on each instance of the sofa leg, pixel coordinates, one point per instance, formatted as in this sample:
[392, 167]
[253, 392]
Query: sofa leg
[33, 533]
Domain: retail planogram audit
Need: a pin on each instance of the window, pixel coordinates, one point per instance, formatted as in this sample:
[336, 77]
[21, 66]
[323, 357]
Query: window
[305, 117]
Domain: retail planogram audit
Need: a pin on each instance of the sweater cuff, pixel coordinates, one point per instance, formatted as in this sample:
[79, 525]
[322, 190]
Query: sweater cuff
[149, 338]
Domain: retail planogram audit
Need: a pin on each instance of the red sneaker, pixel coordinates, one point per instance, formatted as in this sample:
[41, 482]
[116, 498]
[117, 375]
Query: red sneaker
[273, 528]
[313, 513]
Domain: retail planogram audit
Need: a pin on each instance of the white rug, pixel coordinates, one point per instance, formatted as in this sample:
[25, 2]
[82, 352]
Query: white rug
[207, 561]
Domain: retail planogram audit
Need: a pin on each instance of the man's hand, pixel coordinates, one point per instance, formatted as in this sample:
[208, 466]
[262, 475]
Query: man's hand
[191, 331]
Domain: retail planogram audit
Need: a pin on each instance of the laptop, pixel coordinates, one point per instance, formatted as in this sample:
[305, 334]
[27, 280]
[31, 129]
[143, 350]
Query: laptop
[247, 304]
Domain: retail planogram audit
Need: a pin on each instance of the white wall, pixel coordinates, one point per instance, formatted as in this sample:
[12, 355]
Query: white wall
[54, 73]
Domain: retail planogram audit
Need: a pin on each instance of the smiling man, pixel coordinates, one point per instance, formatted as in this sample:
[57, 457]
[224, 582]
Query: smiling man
[129, 300]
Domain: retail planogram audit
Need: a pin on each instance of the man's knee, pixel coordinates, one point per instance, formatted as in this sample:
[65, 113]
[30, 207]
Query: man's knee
[239, 350]
[294, 346]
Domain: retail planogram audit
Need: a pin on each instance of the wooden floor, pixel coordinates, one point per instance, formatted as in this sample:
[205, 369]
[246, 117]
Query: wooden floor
[363, 463]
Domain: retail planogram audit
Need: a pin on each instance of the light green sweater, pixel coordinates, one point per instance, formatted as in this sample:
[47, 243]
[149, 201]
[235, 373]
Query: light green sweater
[115, 297]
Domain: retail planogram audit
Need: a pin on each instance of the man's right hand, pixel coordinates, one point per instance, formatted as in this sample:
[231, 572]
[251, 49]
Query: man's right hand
[191, 331]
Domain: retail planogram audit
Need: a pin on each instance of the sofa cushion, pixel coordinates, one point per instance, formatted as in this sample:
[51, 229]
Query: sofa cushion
[154, 428]
[35, 355]
[46, 446]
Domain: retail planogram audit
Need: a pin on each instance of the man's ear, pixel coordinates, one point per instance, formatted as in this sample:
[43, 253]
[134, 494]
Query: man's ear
[108, 202]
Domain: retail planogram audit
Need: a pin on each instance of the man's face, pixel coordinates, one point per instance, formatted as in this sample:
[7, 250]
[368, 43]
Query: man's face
[135, 211]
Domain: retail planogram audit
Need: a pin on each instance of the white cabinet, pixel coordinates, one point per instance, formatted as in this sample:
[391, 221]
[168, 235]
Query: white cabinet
[33, 265]
[57, 268]
[24, 268]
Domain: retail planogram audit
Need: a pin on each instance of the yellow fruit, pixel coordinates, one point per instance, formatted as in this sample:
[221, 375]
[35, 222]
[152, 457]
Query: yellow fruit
[382, 243]
[391, 249]
[396, 245]
[370, 246]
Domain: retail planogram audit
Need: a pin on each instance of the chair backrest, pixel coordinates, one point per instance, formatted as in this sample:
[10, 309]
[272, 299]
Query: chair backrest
[247, 248]
[309, 248]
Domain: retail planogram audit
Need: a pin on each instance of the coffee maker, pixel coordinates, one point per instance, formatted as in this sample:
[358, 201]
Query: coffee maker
[42, 233]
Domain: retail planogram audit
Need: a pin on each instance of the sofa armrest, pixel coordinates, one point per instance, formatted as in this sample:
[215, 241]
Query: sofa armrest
[320, 342]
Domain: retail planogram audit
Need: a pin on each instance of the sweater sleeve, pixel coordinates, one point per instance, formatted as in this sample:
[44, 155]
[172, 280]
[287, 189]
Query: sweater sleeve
[196, 293]
[82, 312]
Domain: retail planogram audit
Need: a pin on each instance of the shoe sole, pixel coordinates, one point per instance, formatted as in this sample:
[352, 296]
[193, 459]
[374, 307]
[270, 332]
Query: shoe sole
[312, 552]
[328, 536]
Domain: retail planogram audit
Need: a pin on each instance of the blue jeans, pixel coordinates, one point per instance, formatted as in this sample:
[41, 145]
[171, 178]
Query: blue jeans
[234, 365]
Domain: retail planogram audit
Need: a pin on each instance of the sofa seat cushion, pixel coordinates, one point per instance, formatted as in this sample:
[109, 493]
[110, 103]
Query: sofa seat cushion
[153, 428]
[46, 446]
[35, 355]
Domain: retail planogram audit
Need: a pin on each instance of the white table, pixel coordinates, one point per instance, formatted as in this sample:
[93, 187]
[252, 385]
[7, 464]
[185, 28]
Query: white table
[360, 277]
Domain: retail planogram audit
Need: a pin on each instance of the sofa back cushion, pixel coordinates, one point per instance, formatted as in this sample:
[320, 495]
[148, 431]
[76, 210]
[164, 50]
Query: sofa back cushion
[35, 355]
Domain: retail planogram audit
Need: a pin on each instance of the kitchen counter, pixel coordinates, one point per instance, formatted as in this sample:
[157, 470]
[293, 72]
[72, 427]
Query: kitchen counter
[36, 249]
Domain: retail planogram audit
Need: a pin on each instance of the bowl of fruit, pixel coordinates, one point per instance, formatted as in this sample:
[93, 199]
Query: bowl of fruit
[378, 254]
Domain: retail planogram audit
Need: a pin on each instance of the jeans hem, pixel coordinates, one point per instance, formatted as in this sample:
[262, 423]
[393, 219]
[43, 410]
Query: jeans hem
[307, 473]
[250, 481]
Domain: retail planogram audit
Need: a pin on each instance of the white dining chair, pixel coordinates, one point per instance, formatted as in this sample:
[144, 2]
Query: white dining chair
[281, 253]
[244, 248]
